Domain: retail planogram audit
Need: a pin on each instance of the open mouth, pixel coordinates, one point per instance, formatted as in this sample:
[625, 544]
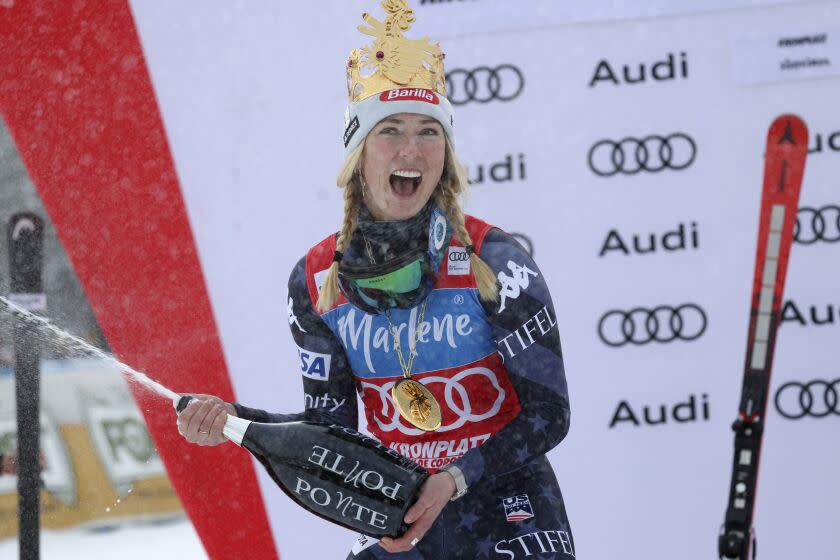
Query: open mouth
[405, 183]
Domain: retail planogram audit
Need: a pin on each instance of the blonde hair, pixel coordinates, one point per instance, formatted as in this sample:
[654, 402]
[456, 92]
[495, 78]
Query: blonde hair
[453, 182]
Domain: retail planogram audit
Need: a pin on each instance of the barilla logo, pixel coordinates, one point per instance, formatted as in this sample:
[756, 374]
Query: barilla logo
[408, 94]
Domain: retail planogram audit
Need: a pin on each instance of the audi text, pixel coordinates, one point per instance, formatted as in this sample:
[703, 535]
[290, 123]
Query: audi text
[660, 71]
[672, 240]
[655, 415]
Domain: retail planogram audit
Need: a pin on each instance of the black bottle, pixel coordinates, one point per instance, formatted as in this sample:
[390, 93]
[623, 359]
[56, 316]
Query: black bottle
[333, 471]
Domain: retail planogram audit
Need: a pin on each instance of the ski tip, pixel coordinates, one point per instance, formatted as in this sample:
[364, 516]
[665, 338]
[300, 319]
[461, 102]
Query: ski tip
[788, 129]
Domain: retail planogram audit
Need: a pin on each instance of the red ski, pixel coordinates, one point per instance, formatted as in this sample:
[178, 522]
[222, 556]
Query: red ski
[784, 165]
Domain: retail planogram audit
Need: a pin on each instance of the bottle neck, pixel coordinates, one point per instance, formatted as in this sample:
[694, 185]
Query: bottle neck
[235, 429]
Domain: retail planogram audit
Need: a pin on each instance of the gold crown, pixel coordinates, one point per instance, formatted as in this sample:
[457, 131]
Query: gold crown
[392, 61]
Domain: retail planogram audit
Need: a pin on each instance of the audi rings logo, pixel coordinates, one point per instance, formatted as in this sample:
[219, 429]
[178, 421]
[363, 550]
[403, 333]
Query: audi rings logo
[526, 242]
[388, 417]
[484, 84]
[652, 153]
[817, 399]
[458, 256]
[817, 224]
[661, 324]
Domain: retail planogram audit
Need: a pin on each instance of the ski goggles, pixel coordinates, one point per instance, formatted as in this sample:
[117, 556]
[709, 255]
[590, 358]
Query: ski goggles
[402, 282]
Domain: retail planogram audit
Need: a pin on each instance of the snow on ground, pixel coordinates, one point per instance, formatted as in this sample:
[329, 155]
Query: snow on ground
[174, 539]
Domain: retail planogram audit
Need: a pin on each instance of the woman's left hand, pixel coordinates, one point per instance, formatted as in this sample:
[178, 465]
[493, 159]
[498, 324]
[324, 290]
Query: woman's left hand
[434, 495]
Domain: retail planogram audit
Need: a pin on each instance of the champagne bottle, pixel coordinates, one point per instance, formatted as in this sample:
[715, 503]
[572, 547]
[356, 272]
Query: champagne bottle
[335, 472]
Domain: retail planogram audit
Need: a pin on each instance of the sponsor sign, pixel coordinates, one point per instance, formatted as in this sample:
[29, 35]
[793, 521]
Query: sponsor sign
[484, 84]
[458, 262]
[351, 129]
[370, 344]
[437, 454]
[58, 474]
[644, 244]
[123, 444]
[810, 315]
[816, 398]
[314, 365]
[355, 477]
[363, 543]
[475, 403]
[458, 18]
[787, 55]
[323, 401]
[410, 94]
[518, 508]
[512, 285]
[672, 66]
[683, 412]
[818, 224]
[539, 325]
[643, 325]
[480, 396]
[509, 170]
[536, 542]
[652, 153]
[98, 464]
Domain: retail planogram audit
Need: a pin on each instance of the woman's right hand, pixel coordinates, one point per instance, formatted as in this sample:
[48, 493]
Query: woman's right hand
[202, 420]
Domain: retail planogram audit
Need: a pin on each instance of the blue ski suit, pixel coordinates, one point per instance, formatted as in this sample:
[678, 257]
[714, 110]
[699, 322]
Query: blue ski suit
[496, 368]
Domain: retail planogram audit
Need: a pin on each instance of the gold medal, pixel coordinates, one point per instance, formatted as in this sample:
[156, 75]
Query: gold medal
[417, 404]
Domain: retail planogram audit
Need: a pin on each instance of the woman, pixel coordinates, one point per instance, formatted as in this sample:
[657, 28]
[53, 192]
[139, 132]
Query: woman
[411, 289]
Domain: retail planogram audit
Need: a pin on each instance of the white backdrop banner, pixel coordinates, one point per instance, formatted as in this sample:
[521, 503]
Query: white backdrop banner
[622, 143]
[439, 18]
[629, 157]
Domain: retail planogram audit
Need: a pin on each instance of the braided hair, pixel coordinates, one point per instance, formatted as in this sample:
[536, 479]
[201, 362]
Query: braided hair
[453, 182]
